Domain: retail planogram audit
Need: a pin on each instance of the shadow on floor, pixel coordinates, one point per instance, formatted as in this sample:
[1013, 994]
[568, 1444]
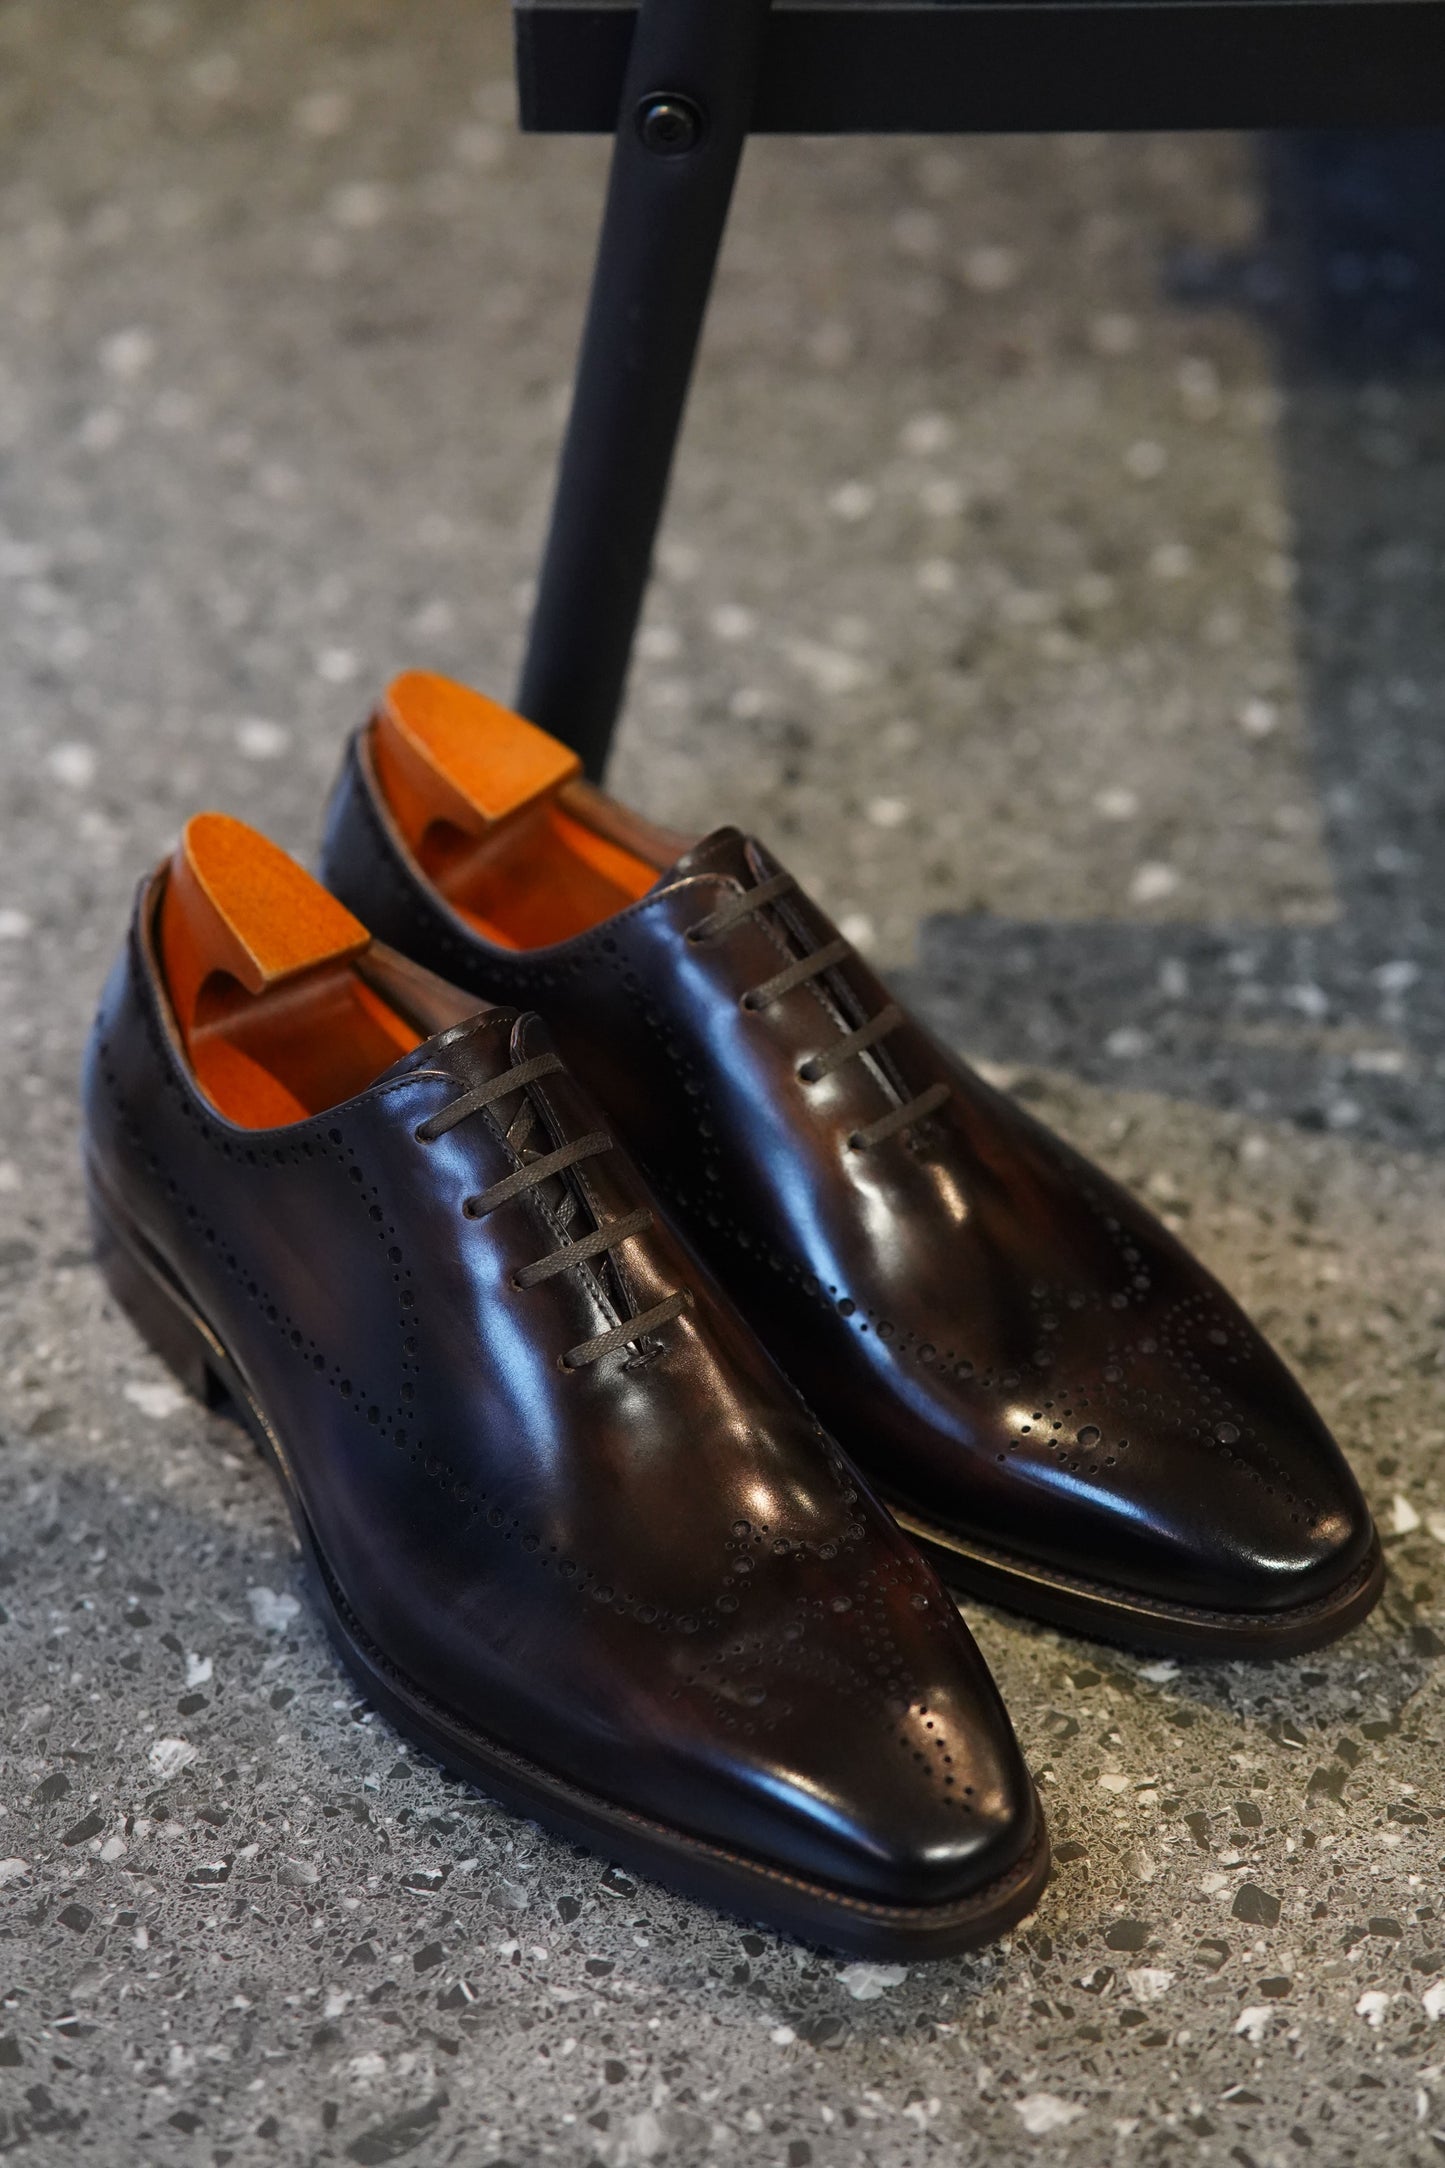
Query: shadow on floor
[1340, 1026]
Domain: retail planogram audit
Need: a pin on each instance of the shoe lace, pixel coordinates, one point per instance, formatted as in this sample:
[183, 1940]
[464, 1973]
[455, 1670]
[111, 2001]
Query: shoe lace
[531, 1175]
[850, 1043]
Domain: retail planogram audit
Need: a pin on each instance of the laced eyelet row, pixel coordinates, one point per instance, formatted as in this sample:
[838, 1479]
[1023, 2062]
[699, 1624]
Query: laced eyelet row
[801, 972]
[530, 1175]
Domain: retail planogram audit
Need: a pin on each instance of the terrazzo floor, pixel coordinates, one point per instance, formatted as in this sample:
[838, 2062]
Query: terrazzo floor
[1054, 573]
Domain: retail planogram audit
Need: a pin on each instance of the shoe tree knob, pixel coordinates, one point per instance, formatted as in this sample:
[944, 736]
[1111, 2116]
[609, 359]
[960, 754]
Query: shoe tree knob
[446, 753]
[237, 910]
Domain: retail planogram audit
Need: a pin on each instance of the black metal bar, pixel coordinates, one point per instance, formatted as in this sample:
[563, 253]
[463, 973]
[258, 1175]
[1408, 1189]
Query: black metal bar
[684, 109]
[877, 67]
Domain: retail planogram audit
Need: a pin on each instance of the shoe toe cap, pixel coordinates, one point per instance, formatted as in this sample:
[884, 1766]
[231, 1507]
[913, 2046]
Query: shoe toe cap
[895, 1797]
[1258, 1504]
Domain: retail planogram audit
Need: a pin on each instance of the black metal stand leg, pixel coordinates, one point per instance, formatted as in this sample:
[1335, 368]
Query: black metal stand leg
[685, 108]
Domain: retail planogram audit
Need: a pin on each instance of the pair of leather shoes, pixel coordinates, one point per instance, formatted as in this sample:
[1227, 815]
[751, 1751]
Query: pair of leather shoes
[528, 1366]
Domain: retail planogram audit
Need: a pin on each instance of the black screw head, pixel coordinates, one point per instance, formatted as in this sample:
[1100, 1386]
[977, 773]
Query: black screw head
[669, 124]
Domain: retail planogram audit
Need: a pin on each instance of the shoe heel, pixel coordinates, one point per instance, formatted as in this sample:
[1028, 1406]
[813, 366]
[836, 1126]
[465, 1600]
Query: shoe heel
[158, 1312]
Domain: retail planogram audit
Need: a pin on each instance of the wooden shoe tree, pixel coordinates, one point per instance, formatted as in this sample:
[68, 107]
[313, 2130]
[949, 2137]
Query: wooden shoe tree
[499, 817]
[261, 966]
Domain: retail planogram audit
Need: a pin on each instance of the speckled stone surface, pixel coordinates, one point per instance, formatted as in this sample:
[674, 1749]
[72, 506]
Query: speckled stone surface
[1059, 587]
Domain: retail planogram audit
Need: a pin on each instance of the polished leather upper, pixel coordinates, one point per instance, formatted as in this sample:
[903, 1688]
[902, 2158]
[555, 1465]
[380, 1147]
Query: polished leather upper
[651, 1574]
[1001, 1336]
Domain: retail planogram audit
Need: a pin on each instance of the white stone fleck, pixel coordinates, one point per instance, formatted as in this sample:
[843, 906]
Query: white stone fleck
[1128, 1043]
[273, 1613]
[215, 75]
[732, 621]
[645, 2136]
[1434, 2001]
[782, 2036]
[1112, 1781]
[1253, 2022]
[858, 927]
[338, 665]
[127, 354]
[1117, 804]
[1145, 460]
[865, 1983]
[852, 501]
[888, 812]
[829, 670]
[257, 739]
[991, 269]
[924, 434]
[199, 1669]
[1258, 718]
[155, 1397]
[1380, 1060]
[14, 925]
[480, 147]
[1171, 561]
[1435, 1522]
[749, 702]
[433, 620]
[1148, 1983]
[72, 764]
[1373, 2006]
[1042, 2112]
[676, 559]
[1404, 1520]
[1153, 881]
[13, 1870]
[168, 1757]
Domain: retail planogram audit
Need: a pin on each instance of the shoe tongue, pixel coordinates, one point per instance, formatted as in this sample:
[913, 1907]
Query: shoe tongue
[726, 851]
[484, 1047]
[475, 1051]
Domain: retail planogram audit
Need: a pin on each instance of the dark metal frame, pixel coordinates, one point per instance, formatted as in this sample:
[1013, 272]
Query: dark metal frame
[685, 100]
[681, 82]
[878, 67]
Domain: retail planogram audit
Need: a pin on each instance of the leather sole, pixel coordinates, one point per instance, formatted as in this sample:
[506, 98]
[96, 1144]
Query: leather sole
[165, 1316]
[1147, 1623]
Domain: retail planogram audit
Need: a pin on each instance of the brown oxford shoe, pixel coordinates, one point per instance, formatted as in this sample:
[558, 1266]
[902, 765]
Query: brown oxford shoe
[566, 1523]
[1056, 1399]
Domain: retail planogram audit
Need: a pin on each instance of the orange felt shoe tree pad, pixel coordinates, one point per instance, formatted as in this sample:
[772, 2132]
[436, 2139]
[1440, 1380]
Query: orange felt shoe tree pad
[258, 961]
[488, 805]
